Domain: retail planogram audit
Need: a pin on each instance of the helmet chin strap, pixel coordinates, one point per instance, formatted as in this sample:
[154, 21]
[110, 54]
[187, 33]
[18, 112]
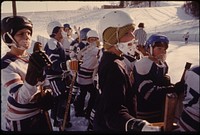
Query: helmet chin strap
[15, 44]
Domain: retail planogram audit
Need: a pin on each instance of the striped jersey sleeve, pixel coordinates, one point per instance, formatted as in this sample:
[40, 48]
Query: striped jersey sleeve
[13, 71]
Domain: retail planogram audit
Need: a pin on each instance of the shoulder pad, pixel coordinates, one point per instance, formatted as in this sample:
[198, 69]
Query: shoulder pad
[143, 66]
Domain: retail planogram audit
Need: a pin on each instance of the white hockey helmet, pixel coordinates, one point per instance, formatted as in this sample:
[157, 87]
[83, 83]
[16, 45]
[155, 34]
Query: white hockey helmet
[92, 33]
[52, 25]
[115, 20]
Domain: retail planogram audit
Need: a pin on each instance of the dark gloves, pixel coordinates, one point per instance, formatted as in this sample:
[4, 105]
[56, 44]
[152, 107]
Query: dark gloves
[46, 101]
[166, 81]
[138, 125]
[37, 62]
[179, 87]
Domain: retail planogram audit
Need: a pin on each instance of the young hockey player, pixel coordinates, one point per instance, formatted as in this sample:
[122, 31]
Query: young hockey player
[59, 74]
[67, 39]
[151, 81]
[82, 42]
[86, 73]
[115, 110]
[22, 74]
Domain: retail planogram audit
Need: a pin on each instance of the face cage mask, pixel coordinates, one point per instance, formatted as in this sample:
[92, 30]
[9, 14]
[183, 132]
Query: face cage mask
[22, 45]
[128, 48]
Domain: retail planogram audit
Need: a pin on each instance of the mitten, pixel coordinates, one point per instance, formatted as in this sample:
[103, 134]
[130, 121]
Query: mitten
[140, 125]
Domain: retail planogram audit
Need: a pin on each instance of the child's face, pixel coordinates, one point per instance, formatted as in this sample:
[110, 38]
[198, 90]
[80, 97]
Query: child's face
[159, 52]
[23, 38]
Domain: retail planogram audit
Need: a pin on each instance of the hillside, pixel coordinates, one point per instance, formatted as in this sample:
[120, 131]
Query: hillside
[170, 20]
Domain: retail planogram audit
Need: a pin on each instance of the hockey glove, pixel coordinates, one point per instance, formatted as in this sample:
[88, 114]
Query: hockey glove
[179, 87]
[139, 125]
[166, 81]
[44, 99]
[37, 62]
[47, 100]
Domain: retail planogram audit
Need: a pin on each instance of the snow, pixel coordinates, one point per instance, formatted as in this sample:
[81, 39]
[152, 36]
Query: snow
[169, 19]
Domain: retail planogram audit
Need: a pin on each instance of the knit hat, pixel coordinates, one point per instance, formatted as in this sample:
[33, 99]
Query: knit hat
[110, 35]
[141, 25]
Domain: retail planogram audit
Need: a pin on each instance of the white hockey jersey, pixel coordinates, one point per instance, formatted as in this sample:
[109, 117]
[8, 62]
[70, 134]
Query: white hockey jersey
[13, 72]
[90, 63]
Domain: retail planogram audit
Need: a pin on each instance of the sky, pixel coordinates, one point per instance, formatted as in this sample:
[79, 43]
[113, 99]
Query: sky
[170, 20]
[32, 6]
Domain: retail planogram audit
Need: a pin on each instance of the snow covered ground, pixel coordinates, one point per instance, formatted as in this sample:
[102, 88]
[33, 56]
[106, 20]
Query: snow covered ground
[169, 19]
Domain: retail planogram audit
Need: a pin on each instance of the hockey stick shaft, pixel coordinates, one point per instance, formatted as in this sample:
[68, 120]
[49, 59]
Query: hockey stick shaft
[68, 103]
[179, 106]
[46, 112]
[173, 105]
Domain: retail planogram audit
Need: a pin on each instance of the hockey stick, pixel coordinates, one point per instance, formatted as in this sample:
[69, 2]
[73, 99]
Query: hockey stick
[179, 106]
[68, 103]
[38, 47]
[46, 112]
[174, 105]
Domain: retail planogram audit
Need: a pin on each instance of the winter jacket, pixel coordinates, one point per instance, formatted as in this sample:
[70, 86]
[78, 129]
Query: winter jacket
[141, 36]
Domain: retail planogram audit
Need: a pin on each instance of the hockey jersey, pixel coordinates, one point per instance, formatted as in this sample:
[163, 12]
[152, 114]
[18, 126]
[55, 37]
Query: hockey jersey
[88, 54]
[189, 120]
[56, 53]
[150, 89]
[13, 71]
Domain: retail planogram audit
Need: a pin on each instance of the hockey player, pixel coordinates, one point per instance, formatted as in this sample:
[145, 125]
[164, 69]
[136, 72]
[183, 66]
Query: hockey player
[115, 110]
[82, 42]
[59, 73]
[22, 73]
[189, 120]
[151, 81]
[67, 39]
[86, 73]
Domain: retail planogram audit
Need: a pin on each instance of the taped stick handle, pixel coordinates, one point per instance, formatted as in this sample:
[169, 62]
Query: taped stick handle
[179, 105]
[173, 105]
[68, 102]
[187, 66]
[38, 48]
